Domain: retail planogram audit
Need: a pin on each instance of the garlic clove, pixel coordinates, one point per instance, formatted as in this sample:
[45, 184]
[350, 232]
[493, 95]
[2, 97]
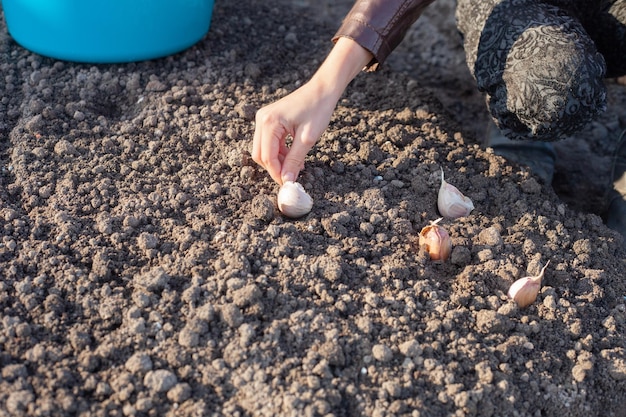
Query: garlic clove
[436, 241]
[293, 201]
[451, 202]
[524, 291]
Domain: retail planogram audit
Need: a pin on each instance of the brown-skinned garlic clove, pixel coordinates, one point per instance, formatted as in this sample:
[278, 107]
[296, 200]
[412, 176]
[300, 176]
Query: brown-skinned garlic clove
[435, 239]
[524, 291]
[293, 201]
[451, 202]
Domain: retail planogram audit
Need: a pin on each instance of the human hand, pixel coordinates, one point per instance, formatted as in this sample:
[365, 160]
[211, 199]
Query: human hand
[303, 115]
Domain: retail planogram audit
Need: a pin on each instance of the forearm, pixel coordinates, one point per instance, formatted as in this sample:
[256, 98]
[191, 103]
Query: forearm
[343, 63]
[380, 25]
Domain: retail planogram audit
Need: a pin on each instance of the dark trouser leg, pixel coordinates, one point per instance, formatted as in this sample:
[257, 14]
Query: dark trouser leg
[616, 214]
[540, 70]
[612, 42]
[608, 31]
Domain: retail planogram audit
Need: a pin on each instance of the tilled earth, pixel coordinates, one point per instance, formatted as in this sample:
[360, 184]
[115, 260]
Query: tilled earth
[147, 272]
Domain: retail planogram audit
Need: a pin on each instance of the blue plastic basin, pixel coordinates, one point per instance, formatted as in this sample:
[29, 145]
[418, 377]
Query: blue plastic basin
[107, 31]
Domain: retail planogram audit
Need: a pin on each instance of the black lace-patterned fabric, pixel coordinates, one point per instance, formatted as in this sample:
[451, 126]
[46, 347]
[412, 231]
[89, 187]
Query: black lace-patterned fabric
[542, 63]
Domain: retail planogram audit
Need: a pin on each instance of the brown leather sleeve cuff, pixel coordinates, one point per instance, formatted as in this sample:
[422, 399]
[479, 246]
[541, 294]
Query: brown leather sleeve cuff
[368, 38]
[380, 25]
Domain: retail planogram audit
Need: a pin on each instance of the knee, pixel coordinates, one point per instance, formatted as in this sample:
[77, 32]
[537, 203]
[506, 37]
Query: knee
[541, 71]
[551, 86]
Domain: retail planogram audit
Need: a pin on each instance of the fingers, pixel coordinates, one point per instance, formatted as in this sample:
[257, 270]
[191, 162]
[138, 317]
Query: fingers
[268, 148]
[292, 115]
[294, 159]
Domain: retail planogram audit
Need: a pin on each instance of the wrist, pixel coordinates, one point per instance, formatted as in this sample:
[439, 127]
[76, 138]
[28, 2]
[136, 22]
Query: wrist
[345, 61]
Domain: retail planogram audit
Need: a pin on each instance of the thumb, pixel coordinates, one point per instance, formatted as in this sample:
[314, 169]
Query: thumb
[294, 160]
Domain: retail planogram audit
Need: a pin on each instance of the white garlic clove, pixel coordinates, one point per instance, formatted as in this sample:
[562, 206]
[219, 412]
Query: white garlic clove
[436, 241]
[524, 291]
[451, 202]
[293, 201]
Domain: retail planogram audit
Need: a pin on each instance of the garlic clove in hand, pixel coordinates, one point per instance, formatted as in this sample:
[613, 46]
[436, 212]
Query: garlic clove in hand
[451, 202]
[524, 291]
[293, 201]
[436, 240]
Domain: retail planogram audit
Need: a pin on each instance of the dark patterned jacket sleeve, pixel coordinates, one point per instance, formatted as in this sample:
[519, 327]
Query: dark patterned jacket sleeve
[380, 25]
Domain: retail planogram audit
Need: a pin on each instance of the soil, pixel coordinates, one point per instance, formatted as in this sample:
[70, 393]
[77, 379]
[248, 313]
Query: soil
[147, 272]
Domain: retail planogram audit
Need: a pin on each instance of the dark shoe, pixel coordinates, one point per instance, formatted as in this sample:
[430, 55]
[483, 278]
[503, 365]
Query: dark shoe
[616, 214]
[538, 156]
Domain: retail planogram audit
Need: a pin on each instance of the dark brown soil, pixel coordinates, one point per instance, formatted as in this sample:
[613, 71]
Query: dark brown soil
[146, 271]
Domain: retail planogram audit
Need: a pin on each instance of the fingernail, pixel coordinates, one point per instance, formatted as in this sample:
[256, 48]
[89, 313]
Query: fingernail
[289, 176]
